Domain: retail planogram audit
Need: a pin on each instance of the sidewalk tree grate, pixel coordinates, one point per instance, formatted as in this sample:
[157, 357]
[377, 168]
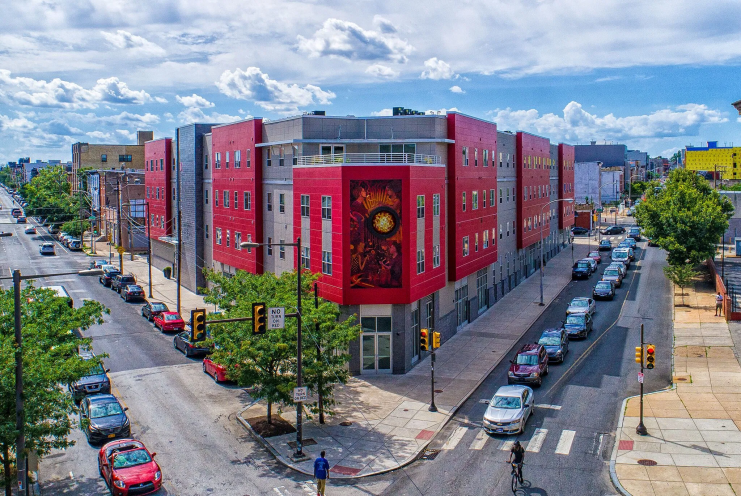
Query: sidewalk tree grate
[305, 442]
[429, 454]
[346, 423]
[647, 463]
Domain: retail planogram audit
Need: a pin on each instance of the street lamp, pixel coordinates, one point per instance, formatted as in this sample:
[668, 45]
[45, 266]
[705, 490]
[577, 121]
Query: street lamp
[299, 454]
[570, 200]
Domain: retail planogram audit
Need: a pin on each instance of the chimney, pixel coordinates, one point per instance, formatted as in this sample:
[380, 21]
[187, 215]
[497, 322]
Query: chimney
[144, 136]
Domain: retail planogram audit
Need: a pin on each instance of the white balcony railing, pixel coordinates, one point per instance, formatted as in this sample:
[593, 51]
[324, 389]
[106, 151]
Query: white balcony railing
[369, 158]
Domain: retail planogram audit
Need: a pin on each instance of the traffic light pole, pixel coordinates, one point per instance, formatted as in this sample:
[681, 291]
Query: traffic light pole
[432, 408]
[640, 428]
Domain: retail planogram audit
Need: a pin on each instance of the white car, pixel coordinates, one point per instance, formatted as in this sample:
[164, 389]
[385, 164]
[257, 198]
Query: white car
[30, 230]
[618, 265]
[592, 263]
[581, 305]
[509, 410]
[47, 249]
[622, 255]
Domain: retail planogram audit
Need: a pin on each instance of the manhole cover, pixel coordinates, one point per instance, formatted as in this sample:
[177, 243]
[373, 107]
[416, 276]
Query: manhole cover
[438, 390]
[345, 423]
[647, 463]
[429, 454]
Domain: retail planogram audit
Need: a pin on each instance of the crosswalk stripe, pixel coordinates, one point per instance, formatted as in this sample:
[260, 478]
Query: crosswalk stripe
[455, 438]
[549, 407]
[479, 441]
[564, 443]
[506, 445]
[537, 440]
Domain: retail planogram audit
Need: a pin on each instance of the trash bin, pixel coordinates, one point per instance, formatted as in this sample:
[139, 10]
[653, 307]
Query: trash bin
[167, 271]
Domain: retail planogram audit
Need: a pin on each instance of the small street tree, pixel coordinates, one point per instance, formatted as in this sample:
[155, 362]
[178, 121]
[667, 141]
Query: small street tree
[50, 362]
[681, 275]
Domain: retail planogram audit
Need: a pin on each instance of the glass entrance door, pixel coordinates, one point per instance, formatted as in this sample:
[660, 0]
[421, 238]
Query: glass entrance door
[376, 345]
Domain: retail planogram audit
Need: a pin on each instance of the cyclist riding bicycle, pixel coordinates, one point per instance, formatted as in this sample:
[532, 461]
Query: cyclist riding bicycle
[517, 457]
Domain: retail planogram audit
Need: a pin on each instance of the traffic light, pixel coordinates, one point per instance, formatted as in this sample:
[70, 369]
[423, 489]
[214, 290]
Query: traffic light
[424, 340]
[258, 318]
[639, 354]
[436, 340]
[650, 356]
[197, 325]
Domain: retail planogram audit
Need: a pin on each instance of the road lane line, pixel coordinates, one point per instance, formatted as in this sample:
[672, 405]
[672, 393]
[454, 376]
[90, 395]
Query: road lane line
[564, 443]
[479, 441]
[536, 442]
[455, 438]
[549, 407]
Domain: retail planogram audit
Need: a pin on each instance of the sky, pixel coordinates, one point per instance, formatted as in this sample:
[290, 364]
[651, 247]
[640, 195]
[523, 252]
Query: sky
[656, 76]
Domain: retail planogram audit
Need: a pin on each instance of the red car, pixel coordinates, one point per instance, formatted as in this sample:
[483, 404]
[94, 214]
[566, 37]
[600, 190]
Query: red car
[218, 372]
[594, 255]
[169, 321]
[129, 468]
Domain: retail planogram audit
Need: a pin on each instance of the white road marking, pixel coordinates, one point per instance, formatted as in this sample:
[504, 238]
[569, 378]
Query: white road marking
[536, 442]
[550, 407]
[506, 445]
[564, 443]
[455, 438]
[479, 441]
[309, 487]
[71, 475]
[278, 490]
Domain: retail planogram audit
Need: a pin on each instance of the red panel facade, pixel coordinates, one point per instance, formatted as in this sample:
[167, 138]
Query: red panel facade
[533, 183]
[472, 177]
[566, 158]
[236, 170]
[157, 159]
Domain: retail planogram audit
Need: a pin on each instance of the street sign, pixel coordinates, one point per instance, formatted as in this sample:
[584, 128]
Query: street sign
[600, 210]
[121, 250]
[640, 377]
[276, 318]
[300, 394]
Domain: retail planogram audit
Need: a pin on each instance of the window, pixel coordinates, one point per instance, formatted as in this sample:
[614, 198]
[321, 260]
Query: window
[149, 188]
[162, 164]
[158, 192]
[104, 157]
[270, 202]
[205, 161]
[305, 257]
[420, 261]
[327, 208]
[226, 199]
[236, 199]
[282, 203]
[483, 198]
[305, 205]
[174, 194]
[436, 205]
[123, 158]
[249, 240]
[327, 262]
[228, 238]
[216, 198]
[492, 198]
[482, 283]
[494, 236]
[281, 250]
[465, 246]
[270, 248]
[500, 231]
[475, 157]
[420, 206]
[464, 200]
[217, 160]
[524, 193]
[465, 156]
[474, 200]
[206, 231]
[226, 162]
[218, 235]
[238, 240]
[281, 157]
[406, 148]
[247, 200]
[295, 162]
[205, 195]
[237, 160]
[486, 158]
[476, 242]
[500, 159]
[436, 256]
[268, 159]
[486, 240]
[513, 229]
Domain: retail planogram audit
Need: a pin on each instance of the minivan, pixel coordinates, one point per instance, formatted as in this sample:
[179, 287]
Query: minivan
[622, 255]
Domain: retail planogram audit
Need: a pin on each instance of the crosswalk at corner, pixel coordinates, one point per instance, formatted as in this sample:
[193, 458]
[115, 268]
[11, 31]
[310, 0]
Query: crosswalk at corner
[308, 487]
[535, 444]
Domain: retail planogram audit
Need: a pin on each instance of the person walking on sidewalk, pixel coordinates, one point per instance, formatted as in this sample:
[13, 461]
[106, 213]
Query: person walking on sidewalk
[321, 473]
[719, 305]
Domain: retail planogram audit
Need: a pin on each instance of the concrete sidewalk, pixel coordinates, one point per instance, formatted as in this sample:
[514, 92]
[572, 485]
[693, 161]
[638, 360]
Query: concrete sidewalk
[382, 422]
[694, 441]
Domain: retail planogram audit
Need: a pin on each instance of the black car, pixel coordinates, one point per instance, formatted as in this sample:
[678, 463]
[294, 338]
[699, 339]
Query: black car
[581, 270]
[97, 380]
[153, 308]
[132, 292]
[635, 233]
[579, 231]
[120, 281]
[102, 418]
[613, 230]
[556, 344]
[20, 220]
[182, 342]
[604, 290]
[578, 325]
[605, 245]
[106, 279]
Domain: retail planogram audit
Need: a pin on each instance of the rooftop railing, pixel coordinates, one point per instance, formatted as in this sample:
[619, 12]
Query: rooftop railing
[369, 158]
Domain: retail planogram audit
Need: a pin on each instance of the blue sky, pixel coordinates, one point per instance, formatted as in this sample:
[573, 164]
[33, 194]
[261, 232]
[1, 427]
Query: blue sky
[654, 75]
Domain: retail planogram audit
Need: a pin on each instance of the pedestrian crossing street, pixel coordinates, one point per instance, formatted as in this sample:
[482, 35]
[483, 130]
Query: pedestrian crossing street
[533, 445]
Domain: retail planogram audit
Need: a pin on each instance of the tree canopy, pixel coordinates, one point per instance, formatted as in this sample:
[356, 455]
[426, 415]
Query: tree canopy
[48, 196]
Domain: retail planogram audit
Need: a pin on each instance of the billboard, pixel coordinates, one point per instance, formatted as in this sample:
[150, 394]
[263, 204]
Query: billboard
[375, 234]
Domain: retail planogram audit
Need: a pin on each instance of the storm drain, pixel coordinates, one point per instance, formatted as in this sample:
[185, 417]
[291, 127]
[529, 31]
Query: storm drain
[429, 454]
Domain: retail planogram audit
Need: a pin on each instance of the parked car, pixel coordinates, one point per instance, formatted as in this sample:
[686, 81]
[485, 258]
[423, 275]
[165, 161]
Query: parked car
[75, 245]
[594, 255]
[578, 325]
[508, 410]
[65, 239]
[102, 417]
[581, 270]
[631, 243]
[120, 281]
[581, 304]
[169, 321]
[215, 370]
[556, 344]
[47, 249]
[621, 255]
[613, 275]
[592, 264]
[96, 381]
[604, 290]
[613, 230]
[106, 279]
[127, 467]
[153, 308]
[61, 234]
[620, 266]
[605, 245]
[182, 342]
[132, 292]
[579, 231]
[529, 365]
[30, 230]
[635, 233]
[20, 220]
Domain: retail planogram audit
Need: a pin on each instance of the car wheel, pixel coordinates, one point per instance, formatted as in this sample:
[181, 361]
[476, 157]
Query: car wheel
[540, 381]
[185, 351]
[546, 369]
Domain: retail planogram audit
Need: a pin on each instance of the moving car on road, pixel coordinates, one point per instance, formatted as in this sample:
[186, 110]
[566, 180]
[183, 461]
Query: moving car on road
[47, 249]
[169, 321]
[613, 230]
[604, 290]
[581, 270]
[16, 212]
[120, 281]
[127, 467]
[621, 255]
[581, 304]
[620, 266]
[508, 410]
[605, 245]
[183, 343]
[103, 418]
[153, 308]
[579, 231]
[109, 272]
[613, 275]
[132, 292]
[631, 243]
[578, 325]
[556, 344]
[529, 366]
[20, 220]
[30, 230]
[96, 381]
[635, 233]
[98, 264]
[215, 370]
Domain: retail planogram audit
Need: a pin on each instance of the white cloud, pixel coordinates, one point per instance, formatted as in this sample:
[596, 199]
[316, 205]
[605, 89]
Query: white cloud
[196, 101]
[270, 94]
[384, 25]
[126, 134]
[383, 112]
[99, 135]
[381, 71]
[576, 124]
[441, 111]
[124, 40]
[344, 39]
[19, 123]
[194, 114]
[456, 89]
[437, 69]
[60, 128]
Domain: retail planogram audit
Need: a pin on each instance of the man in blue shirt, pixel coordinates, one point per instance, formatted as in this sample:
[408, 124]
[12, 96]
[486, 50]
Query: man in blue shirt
[321, 473]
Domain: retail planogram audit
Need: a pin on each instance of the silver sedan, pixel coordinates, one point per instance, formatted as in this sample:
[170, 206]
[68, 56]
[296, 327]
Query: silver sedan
[582, 305]
[509, 410]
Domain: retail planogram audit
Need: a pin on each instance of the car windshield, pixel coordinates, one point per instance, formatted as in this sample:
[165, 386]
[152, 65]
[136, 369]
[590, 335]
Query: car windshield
[575, 319]
[603, 285]
[508, 402]
[135, 288]
[550, 341]
[131, 458]
[579, 303]
[620, 255]
[159, 307]
[172, 317]
[582, 265]
[594, 254]
[612, 272]
[527, 359]
[97, 370]
[105, 410]
[634, 230]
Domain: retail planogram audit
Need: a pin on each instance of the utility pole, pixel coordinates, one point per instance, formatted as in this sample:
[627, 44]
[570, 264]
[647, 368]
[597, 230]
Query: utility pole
[21, 459]
[180, 243]
[640, 428]
[120, 237]
[149, 249]
[299, 379]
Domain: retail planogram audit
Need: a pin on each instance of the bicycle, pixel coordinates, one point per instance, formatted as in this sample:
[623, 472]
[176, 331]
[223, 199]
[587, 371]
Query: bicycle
[516, 475]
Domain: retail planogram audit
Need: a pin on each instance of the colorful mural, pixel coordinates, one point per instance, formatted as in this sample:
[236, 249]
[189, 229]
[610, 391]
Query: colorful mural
[375, 234]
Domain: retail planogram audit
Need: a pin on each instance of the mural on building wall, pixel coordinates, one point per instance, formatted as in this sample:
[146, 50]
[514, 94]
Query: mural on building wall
[375, 234]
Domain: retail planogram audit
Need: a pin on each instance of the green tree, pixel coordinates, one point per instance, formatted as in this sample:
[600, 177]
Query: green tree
[686, 218]
[49, 360]
[640, 187]
[681, 275]
[49, 196]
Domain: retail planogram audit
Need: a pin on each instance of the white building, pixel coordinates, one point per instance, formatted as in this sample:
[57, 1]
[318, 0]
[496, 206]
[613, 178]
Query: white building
[587, 180]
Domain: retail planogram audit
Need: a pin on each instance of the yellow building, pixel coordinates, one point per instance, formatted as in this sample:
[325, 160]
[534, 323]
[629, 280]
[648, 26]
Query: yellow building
[714, 158]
